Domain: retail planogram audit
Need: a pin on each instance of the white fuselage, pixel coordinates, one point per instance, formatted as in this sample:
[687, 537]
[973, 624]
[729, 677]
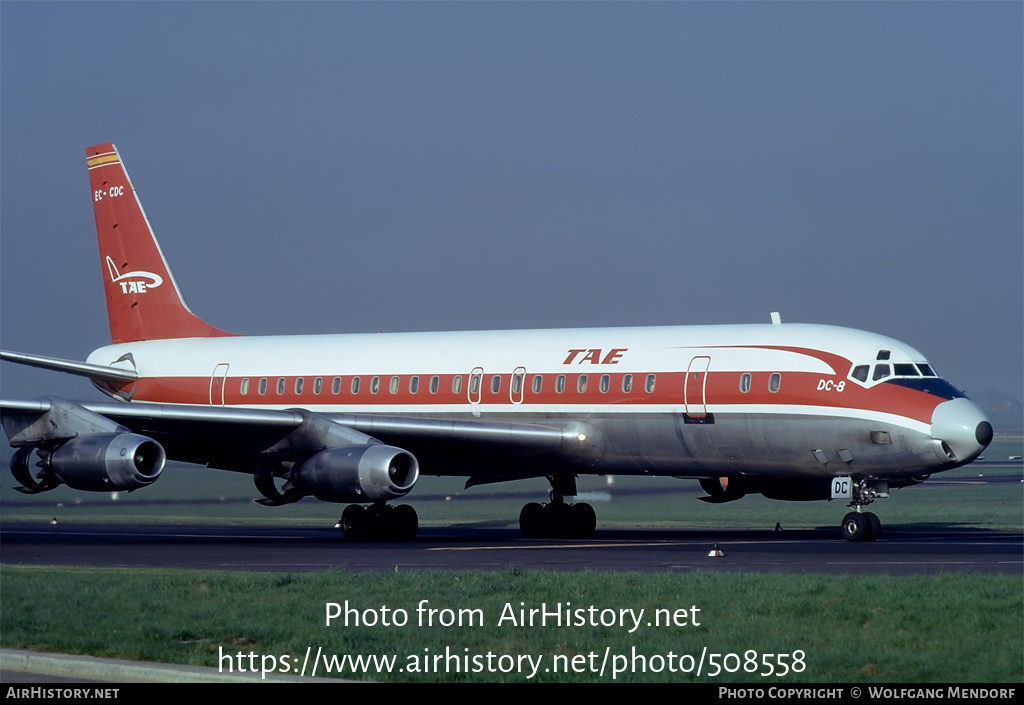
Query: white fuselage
[700, 401]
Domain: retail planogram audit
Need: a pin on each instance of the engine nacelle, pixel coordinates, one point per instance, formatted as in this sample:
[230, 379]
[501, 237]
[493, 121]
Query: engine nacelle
[722, 489]
[808, 490]
[795, 490]
[370, 473]
[113, 462]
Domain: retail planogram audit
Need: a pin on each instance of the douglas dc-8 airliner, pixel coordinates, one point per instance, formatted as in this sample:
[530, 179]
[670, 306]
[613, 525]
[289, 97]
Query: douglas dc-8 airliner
[793, 412]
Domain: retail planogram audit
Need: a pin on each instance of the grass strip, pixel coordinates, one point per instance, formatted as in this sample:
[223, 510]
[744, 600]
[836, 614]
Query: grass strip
[957, 628]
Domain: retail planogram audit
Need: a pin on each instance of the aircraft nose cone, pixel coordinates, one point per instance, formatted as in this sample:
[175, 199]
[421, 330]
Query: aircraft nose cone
[962, 429]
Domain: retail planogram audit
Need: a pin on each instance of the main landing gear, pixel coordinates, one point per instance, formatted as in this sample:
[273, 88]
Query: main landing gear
[558, 519]
[860, 526]
[379, 522]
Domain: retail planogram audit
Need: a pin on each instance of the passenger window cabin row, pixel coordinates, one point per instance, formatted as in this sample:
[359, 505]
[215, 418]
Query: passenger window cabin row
[434, 386]
[475, 382]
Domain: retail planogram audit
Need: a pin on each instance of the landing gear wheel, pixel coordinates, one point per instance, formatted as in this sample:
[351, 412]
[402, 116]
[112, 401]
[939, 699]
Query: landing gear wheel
[584, 520]
[404, 523]
[352, 522]
[533, 521]
[557, 520]
[876, 525]
[857, 527]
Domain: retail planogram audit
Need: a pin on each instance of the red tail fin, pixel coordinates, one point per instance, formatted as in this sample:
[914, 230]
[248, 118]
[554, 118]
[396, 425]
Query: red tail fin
[143, 301]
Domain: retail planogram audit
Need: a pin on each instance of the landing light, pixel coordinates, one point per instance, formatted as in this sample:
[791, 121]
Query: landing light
[581, 437]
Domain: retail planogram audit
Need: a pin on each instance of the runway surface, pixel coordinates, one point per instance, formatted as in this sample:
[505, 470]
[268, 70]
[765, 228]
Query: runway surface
[291, 549]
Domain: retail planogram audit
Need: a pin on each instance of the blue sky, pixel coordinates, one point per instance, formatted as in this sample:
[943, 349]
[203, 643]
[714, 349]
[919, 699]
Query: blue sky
[352, 167]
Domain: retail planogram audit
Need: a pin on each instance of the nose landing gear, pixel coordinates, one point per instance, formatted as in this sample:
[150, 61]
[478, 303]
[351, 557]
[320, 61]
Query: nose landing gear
[857, 526]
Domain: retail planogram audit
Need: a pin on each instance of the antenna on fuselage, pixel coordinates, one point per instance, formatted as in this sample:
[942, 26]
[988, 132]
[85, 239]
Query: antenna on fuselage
[776, 318]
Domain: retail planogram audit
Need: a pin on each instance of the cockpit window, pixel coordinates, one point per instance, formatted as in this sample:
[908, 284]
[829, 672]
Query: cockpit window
[896, 369]
[883, 355]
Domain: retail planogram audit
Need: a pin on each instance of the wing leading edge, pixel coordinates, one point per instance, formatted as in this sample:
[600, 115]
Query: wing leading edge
[339, 458]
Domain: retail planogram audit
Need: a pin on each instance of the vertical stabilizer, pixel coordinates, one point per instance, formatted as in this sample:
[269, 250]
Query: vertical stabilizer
[143, 300]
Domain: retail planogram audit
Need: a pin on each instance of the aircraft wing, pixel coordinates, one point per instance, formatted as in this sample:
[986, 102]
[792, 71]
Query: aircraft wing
[486, 451]
[251, 440]
[84, 369]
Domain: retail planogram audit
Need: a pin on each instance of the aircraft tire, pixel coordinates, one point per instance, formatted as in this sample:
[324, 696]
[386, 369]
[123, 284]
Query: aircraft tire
[353, 522]
[876, 525]
[533, 521]
[404, 522]
[856, 527]
[584, 520]
[557, 520]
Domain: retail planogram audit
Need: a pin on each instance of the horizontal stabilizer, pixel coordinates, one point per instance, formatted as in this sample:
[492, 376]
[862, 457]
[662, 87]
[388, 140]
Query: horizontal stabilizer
[84, 369]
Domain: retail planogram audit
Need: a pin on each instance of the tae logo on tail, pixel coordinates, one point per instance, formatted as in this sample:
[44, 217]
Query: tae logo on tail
[133, 282]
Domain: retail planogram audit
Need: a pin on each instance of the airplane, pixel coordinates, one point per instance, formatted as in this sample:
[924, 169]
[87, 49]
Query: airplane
[789, 411]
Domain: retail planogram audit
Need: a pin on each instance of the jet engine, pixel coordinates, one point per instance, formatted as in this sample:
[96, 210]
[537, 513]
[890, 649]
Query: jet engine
[809, 490]
[722, 489]
[728, 489]
[369, 473]
[107, 462]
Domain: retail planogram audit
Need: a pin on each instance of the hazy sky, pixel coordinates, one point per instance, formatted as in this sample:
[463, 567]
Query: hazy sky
[352, 167]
